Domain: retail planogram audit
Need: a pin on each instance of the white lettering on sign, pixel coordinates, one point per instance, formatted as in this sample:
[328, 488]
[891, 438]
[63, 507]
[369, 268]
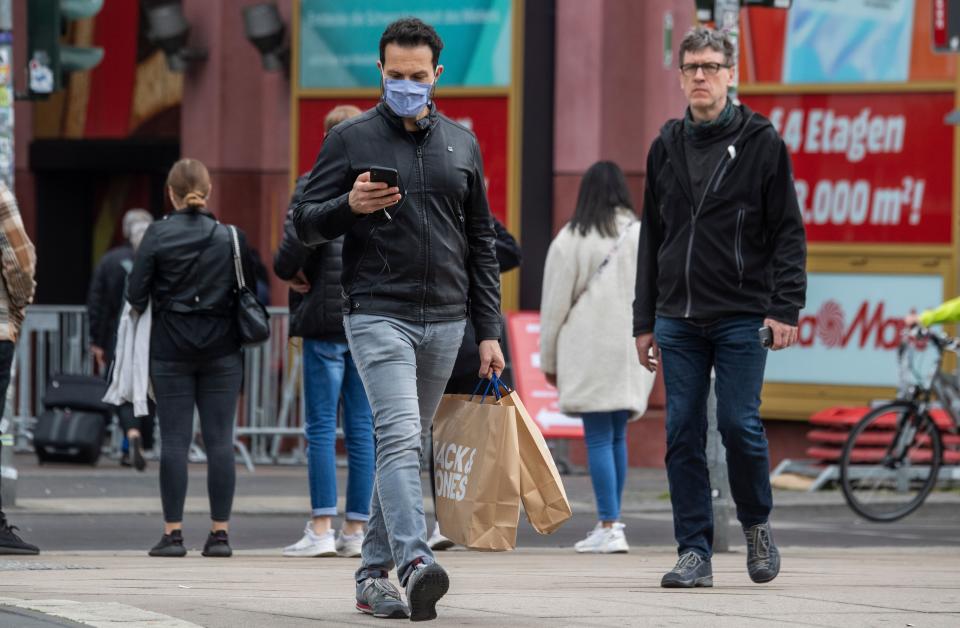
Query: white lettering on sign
[452, 465]
[846, 202]
[822, 131]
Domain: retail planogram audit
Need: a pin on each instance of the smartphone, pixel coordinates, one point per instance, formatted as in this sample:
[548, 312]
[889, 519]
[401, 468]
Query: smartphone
[766, 337]
[379, 174]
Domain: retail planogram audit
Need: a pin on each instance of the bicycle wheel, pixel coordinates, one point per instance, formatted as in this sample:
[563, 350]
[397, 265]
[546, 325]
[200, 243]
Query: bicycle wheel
[890, 462]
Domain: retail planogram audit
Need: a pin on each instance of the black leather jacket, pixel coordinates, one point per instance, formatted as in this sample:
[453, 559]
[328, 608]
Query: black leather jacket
[317, 314]
[434, 259]
[185, 265]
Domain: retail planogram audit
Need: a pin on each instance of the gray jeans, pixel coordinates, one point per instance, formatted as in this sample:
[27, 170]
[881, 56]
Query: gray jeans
[404, 367]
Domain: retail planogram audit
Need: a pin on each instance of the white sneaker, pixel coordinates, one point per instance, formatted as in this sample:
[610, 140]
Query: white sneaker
[312, 544]
[437, 541]
[349, 545]
[602, 540]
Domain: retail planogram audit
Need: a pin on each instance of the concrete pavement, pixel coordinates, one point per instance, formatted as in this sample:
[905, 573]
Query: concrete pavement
[840, 588]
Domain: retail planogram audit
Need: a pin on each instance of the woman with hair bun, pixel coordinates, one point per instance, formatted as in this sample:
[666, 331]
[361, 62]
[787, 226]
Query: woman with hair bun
[184, 270]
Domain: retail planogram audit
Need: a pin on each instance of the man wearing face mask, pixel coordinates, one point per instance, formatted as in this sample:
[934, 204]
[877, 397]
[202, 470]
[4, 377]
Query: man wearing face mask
[411, 276]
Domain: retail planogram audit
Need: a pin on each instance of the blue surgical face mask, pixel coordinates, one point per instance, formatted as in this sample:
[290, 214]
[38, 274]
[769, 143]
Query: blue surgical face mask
[406, 98]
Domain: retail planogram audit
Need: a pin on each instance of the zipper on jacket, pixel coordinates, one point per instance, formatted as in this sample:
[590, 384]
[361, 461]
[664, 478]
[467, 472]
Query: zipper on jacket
[731, 153]
[425, 230]
[738, 247]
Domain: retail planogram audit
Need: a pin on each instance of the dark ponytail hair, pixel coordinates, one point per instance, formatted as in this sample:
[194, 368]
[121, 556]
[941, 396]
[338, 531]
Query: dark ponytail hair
[602, 190]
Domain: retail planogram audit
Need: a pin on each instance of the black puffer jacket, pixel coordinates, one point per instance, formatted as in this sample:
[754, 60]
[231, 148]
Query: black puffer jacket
[105, 297]
[185, 265]
[316, 315]
[434, 260]
[739, 249]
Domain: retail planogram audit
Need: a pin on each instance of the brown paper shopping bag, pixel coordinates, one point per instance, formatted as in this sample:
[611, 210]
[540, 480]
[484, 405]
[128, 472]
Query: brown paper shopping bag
[541, 489]
[477, 472]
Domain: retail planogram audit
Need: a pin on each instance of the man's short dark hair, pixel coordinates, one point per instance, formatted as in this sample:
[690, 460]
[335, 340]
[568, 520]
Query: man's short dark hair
[411, 32]
[702, 38]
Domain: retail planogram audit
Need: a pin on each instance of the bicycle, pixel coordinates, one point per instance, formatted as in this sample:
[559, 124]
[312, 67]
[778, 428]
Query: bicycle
[892, 458]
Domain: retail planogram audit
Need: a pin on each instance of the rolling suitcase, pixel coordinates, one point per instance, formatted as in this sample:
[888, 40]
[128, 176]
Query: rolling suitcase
[66, 435]
[72, 427]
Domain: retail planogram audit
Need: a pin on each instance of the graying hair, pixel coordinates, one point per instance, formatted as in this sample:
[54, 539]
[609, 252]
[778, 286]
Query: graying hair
[700, 38]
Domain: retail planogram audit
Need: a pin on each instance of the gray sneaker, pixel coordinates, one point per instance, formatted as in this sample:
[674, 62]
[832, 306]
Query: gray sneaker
[691, 570]
[763, 557]
[425, 586]
[378, 597]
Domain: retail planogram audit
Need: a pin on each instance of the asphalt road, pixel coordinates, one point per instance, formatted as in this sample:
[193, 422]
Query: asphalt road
[792, 527]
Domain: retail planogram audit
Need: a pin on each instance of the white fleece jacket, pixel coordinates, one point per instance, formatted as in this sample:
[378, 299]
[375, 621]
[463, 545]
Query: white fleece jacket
[593, 353]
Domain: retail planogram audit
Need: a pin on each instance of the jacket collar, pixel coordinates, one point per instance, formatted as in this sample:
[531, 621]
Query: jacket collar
[397, 122]
[673, 141]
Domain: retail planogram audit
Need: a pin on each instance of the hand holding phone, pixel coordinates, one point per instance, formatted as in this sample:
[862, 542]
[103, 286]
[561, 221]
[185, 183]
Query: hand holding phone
[369, 195]
[766, 337]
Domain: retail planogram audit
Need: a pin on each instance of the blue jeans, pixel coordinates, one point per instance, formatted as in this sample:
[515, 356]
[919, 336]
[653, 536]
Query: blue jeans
[605, 434]
[329, 374]
[688, 351]
[405, 367]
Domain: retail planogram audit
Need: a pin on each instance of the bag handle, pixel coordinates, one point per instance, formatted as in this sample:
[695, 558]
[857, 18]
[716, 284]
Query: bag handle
[237, 267]
[495, 383]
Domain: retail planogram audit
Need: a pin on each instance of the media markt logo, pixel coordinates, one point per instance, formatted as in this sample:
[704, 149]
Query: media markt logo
[870, 327]
[452, 465]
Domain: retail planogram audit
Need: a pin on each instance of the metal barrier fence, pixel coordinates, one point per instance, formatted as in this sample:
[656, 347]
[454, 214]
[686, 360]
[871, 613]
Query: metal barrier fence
[55, 340]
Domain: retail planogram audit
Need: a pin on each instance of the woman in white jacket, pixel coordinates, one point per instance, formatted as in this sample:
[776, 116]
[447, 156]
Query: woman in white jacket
[586, 337]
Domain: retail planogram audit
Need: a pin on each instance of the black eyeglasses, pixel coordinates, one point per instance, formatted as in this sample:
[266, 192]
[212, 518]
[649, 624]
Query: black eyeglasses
[709, 69]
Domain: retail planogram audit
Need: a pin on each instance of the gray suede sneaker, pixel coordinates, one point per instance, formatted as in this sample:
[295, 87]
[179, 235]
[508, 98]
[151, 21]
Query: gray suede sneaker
[378, 597]
[425, 586]
[691, 570]
[763, 557]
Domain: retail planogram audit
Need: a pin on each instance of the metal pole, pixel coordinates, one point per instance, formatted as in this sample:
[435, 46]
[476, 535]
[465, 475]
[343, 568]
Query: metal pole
[727, 18]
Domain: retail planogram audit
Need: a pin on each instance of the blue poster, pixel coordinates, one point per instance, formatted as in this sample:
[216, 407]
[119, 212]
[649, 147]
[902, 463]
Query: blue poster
[848, 41]
[339, 40]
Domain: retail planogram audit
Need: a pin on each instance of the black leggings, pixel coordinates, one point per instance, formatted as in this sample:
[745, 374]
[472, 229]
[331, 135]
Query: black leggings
[212, 386]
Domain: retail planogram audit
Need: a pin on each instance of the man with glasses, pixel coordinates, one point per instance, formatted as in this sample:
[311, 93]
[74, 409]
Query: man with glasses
[722, 254]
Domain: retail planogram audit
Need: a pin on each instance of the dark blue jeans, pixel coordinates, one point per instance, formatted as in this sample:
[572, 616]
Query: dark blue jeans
[689, 351]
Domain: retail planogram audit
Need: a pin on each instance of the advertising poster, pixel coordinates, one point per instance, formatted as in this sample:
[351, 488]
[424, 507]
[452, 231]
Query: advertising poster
[850, 329]
[848, 41]
[339, 41]
[6, 108]
[869, 168]
[540, 398]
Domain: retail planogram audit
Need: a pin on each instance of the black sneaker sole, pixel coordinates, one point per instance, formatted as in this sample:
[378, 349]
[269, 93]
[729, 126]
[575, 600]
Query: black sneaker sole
[431, 585]
[19, 551]
[217, 552]
[168, 553]
[705, 581]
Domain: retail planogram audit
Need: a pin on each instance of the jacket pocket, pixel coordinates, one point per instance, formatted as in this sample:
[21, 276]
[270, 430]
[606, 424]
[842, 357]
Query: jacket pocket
[738, 245]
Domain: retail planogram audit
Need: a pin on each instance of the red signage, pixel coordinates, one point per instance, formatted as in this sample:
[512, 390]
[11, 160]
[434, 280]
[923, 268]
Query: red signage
[539, 397]
[871, 168]
[487, 117]
[940, 31]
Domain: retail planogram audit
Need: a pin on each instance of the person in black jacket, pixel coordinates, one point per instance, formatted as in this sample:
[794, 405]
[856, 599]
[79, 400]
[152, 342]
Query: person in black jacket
[329, 375]
[184, 270]
[104, 305]
[418, 258]
[722, 253]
